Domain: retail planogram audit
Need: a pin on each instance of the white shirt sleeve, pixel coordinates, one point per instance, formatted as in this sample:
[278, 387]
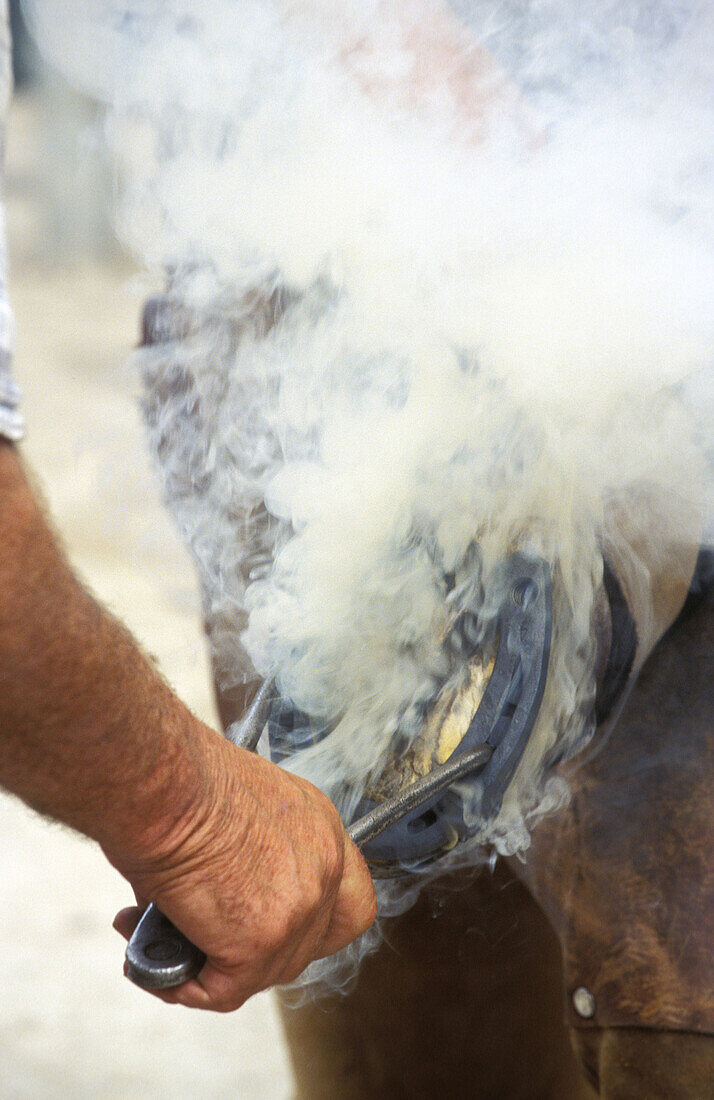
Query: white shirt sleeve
[11, 422]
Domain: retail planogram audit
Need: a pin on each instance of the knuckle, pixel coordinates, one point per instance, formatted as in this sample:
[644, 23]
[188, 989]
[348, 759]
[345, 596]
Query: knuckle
[279, 929]
[225, 991]
[331, 863]
[329, 880]
[369, 912]
[311, 901]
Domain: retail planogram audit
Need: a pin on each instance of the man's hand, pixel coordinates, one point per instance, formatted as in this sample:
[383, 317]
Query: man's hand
[251, 863]
[264, 880]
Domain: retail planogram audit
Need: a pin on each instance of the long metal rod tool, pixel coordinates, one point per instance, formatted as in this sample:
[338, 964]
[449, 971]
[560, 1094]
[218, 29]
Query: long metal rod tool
[159, 956]
[423, 790]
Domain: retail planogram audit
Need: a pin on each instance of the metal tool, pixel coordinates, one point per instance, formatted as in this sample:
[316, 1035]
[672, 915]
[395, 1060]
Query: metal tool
[425, 819]
[159, 956]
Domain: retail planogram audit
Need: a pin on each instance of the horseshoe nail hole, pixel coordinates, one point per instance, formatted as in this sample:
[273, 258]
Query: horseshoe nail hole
[162, 950]
[424, 821]
[524, 592]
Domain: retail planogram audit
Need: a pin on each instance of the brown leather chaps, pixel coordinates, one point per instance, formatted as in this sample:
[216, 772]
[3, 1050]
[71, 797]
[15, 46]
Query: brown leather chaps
[586, 971]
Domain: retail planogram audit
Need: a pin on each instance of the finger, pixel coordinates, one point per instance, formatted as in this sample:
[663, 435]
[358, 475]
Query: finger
[218, 990]
[168, 996]
[222, 990]
[189, 994]
[309, 948]
[355, 907]
[126, 920]
[353, 912]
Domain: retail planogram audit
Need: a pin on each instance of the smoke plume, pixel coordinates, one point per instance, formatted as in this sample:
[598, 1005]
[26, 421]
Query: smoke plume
[441, 282]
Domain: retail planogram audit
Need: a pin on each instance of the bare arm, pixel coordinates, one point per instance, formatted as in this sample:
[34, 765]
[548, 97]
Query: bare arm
[251, 863]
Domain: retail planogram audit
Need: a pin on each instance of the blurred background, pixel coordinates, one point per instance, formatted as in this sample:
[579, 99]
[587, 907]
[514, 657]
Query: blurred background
[70, 1025]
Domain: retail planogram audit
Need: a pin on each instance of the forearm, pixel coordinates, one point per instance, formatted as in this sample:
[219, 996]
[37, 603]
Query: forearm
[89, 731]
[253, 864]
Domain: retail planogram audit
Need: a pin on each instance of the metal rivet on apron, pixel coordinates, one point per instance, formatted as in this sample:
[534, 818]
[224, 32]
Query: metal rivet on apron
[584, 1002]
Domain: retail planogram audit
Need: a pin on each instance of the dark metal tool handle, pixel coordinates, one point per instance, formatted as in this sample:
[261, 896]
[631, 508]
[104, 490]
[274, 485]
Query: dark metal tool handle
[158, 956]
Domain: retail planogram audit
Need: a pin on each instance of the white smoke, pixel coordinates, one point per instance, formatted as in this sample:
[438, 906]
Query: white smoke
[422, 304]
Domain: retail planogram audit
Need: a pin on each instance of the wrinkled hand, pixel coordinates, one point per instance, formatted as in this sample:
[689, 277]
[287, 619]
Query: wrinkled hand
[263, 878]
